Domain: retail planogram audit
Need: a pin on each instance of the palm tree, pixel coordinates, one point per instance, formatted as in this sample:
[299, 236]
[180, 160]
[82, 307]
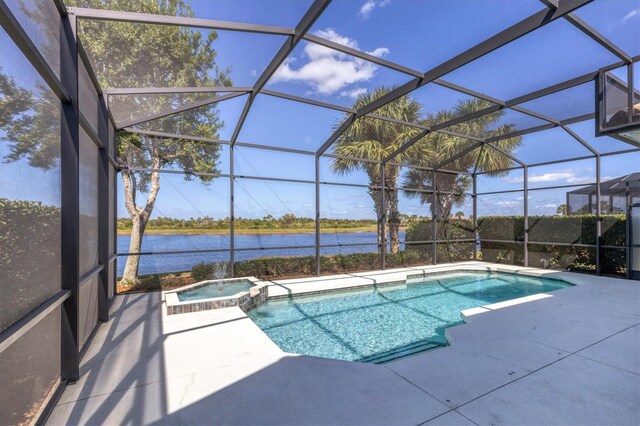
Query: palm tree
[451, 187]
[374, 139]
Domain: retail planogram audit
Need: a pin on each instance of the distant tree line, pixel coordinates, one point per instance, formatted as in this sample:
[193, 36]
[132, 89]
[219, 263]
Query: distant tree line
[287, 221]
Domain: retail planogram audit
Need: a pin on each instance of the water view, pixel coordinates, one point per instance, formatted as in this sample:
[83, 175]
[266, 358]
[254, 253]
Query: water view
[184, 261]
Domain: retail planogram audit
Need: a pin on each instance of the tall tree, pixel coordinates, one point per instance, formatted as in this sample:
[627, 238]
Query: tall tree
[561, 210]
[30, 116]
[135, 55]
[31, 123]
[451, 187]
[373, 139]
[14, 100]
[125, 54]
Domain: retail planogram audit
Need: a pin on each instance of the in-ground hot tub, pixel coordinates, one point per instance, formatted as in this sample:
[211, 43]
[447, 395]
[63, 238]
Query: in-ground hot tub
[245, 293]
[214, 289]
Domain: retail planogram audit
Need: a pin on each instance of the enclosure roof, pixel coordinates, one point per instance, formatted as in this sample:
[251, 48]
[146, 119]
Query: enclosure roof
[298, 66]
[613, 186]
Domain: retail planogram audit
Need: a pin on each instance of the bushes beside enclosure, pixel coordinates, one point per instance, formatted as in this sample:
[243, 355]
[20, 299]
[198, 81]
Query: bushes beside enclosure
[29, 236]
[569, 233]
[297, 266]
[577, 229]
[449, 231]
[29, 255]
[268, 268]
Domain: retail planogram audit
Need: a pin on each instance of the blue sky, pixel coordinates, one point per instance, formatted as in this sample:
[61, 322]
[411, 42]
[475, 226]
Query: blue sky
[417, 34]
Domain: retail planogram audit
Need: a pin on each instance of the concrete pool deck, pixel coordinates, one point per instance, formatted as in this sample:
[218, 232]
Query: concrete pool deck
[569, 357]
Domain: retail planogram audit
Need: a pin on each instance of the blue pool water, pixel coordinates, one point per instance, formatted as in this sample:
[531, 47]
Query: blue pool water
[388, 322]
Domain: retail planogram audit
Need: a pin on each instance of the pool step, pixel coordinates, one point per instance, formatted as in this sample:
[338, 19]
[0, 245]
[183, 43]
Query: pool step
[401, 352]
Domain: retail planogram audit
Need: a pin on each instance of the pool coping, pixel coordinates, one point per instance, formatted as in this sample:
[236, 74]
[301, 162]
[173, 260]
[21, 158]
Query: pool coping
[419, 272]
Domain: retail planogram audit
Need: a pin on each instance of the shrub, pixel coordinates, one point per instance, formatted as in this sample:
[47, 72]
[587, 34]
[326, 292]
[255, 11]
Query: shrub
[296, 266]
[447, 230]
[209, 270]
[562, 230]
[29, 255]
[153, 282]
[572, 230]
[270, 267]
[577, 229]
[407, 258]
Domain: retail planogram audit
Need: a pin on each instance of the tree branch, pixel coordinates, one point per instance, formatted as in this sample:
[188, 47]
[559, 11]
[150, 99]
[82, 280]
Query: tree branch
[128, 182]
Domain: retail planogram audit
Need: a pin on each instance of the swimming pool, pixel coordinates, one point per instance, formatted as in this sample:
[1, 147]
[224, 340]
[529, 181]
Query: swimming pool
[383, 323]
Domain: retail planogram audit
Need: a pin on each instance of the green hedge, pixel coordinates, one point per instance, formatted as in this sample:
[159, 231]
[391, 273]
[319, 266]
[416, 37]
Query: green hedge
[296, 266]
[450, 229]
[446, 230]
[29, 255]
[578, 229]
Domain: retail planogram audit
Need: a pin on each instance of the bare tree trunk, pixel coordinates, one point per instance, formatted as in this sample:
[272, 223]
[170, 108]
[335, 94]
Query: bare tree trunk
[130, 274]
[139, 217]
[445, 204]
[394, 214]
[394, 237]
[379, 210]
[394, 223]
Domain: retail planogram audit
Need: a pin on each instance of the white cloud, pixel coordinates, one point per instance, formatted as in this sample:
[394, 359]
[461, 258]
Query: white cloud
[631, 14]
[379, 52]
[550, 177]
[561, 175]
[508, 203]
[354, 93]
[516, 179]
[581, 179]
[328, 71]
[367, 7]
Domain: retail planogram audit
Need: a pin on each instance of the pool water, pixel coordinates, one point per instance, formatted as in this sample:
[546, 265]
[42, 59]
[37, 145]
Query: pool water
[380, 324]
[214, 289]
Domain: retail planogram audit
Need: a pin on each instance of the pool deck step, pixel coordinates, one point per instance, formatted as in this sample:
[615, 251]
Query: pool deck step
[401, 352]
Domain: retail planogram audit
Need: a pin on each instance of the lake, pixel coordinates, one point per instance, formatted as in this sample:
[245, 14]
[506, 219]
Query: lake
[163, 263]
